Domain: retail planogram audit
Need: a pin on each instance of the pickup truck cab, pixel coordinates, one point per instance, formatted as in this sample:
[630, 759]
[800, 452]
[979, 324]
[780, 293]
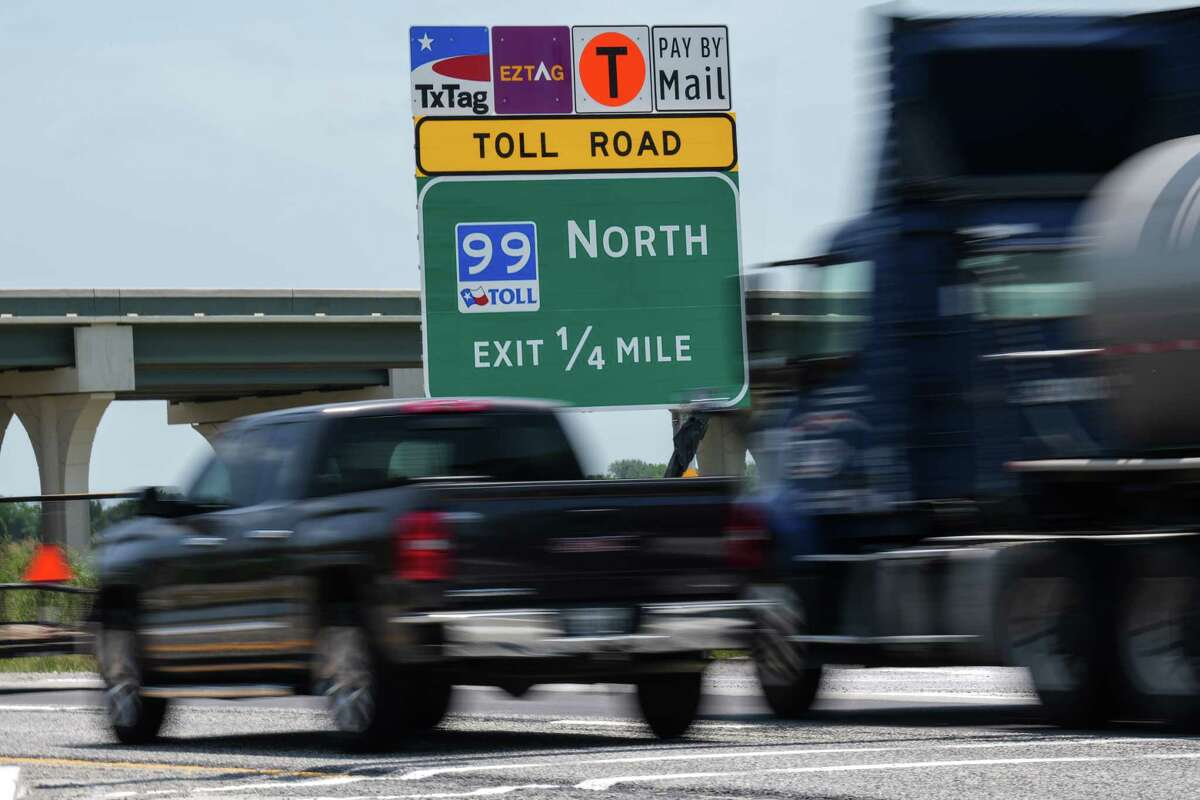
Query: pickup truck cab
[381, 553]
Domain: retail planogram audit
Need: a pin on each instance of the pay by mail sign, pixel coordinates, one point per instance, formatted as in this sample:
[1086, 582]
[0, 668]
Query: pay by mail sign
[691, 68]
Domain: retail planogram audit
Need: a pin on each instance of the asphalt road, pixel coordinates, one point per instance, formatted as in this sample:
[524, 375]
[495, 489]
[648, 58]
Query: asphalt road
[949, 733]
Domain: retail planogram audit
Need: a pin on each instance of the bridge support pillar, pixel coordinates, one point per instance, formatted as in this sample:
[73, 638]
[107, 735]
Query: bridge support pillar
[5, 418]
[208, 430]
[61, 429]
[723, 448]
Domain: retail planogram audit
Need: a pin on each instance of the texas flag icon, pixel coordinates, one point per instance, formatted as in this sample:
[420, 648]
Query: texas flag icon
[474, 297]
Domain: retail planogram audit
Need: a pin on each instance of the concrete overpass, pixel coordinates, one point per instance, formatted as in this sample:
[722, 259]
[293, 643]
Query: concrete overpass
[214, 355]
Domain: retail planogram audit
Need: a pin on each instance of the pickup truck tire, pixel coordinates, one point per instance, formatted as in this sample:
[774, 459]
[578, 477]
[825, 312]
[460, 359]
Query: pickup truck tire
[786, 671]
[1057, 622]
[1159, 634]
[669, 703]
[422, 701]
[361, 691]
[134, 718]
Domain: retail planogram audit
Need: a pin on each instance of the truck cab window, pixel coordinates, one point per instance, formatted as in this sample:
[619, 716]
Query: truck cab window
[1016, 285]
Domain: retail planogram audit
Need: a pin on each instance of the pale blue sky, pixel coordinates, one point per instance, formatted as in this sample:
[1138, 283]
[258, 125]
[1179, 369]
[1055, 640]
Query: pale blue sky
[269, 144]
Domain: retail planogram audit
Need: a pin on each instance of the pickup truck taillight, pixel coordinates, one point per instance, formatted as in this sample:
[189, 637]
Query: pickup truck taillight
[746, 538]
[423, 547]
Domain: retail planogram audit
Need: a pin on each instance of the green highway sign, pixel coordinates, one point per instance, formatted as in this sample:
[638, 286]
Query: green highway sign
[595, 290]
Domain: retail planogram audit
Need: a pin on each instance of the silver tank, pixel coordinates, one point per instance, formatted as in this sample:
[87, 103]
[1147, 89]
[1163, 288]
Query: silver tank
[1142, 253]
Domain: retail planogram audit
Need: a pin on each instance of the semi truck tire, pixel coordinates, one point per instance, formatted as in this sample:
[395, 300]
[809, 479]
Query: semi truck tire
[1057, 622]
[1159, 633]
[669, 703]
[793, 698]
[786, 671]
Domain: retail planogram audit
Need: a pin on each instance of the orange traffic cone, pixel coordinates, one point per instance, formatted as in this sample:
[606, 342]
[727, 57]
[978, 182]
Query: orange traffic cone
[48, 565]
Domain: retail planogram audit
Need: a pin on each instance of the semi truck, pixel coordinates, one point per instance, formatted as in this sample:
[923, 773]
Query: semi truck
[1004, 468]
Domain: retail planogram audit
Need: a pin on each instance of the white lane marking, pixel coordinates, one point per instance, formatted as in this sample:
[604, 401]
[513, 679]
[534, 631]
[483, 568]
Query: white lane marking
[488, 791]
[954, 697]
[207, 706]
[51, 684]
[630, 723]
[570, 688]
[17, 707]
[733, 688]
[335, 781]
[422, 774]
[603, 784]
[10, 783]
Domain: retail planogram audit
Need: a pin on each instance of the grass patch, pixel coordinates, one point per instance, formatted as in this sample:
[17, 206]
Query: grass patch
[48, 664]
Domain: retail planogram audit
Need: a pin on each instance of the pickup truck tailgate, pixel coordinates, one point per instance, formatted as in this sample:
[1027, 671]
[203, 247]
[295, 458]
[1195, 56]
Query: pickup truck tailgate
[586, 541]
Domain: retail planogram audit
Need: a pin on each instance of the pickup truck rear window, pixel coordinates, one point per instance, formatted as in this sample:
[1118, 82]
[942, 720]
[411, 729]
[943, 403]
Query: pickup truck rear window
[366, 453]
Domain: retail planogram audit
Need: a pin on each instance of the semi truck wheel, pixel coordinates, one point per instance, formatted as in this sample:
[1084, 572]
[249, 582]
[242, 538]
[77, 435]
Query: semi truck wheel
[669, 702]
[134, 718]
[1159, 634]
[786, 671]
[1057, 623]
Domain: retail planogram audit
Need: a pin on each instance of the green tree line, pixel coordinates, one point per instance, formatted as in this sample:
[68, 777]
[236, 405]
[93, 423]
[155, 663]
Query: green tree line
[23, 521]
[630, 468]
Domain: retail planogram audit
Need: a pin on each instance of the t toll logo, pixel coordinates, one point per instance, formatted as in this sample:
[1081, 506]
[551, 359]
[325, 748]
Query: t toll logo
[611, 69]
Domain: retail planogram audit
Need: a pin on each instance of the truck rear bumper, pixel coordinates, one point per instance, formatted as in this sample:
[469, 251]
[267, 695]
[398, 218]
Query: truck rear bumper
[657, 629]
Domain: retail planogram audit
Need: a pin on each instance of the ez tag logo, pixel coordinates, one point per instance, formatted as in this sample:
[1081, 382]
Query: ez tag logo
[497, 267]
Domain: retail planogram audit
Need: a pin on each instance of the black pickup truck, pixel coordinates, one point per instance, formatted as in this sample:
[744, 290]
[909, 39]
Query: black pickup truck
[381, 553]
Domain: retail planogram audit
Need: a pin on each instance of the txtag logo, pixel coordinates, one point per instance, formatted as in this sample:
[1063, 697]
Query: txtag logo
[451, 71]
[497, 267]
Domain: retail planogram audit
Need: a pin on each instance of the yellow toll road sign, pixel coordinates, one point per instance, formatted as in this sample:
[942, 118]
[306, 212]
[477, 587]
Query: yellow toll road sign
[543, 144]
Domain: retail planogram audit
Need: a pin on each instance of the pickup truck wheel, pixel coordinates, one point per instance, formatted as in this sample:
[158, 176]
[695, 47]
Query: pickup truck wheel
[134, 718]
[786, 671]
[423, 702]
[669, 702]
[1159, 635]
[1056, 624]
[361, 694]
